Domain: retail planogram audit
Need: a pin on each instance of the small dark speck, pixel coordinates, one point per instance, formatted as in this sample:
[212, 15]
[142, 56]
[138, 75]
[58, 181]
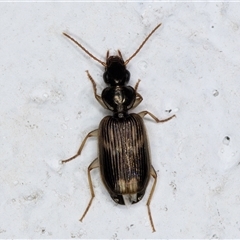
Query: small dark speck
[168, 110]
[226, 140]
[131, 225]
[215, 93]
[214, 236]
[212, 26]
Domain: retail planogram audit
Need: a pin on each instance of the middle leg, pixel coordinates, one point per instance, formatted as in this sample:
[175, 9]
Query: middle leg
[91, 134]
[143, 113]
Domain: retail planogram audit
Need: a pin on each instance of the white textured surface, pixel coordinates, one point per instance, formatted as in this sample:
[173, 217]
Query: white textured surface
[190, 65]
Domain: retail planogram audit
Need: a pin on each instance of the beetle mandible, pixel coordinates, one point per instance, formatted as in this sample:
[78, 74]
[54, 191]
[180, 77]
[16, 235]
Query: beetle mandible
[123, 151]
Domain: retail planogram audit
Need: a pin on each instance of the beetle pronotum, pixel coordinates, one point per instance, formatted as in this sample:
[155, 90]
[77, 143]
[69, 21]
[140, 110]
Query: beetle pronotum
[123, 151]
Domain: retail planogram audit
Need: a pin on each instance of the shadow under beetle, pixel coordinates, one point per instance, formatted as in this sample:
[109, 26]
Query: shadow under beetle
[123, 151]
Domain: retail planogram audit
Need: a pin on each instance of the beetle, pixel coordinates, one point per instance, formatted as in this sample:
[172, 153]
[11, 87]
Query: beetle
[123, 150]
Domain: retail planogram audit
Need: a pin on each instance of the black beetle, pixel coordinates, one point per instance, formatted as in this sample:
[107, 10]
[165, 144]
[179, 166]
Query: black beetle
[123, 151]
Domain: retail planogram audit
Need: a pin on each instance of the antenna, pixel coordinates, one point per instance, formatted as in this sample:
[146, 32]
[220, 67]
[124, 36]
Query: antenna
[85, 50]
[127, 61]
[103, 63]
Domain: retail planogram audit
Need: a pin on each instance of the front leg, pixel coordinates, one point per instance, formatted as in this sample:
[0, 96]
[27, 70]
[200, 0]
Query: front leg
[139, 98]
[99, 99]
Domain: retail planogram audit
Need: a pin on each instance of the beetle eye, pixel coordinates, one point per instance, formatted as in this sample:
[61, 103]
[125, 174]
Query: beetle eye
[127, 76]
[106, 77]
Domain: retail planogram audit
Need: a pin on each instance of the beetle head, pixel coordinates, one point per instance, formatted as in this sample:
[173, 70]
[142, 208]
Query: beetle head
[116, 72]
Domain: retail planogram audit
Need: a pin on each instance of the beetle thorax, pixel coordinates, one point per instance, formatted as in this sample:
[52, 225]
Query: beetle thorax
[119, 99]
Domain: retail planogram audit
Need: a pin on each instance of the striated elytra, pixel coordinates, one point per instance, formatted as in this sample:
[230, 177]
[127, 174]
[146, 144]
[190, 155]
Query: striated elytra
[123, 150]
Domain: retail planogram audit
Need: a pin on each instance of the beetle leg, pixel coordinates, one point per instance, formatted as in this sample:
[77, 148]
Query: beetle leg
[137, 100]
[93, 165]
[91, 134]
[138, 96]
[99, 99]
[154, 175]
[136, 85]
[143, 113]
